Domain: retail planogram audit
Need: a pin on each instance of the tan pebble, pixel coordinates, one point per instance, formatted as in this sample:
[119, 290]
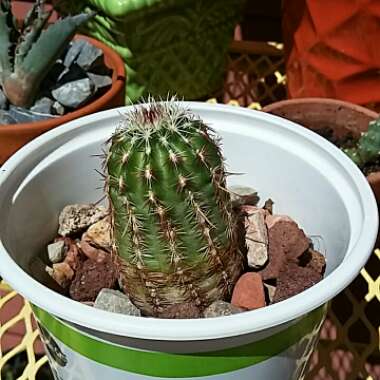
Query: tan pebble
[91, 252]
[62, 274]
[100, 233]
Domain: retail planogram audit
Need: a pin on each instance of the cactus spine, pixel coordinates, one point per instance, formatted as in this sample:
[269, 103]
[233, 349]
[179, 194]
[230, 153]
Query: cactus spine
[367, 148]
[27, 53]
[174, 230]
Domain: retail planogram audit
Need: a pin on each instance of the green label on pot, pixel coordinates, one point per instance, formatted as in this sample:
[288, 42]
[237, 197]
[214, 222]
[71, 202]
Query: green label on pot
[65, 344]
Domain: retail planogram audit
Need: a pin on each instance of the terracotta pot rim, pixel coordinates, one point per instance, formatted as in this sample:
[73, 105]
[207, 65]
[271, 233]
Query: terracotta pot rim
[118, 82]
[316, 100]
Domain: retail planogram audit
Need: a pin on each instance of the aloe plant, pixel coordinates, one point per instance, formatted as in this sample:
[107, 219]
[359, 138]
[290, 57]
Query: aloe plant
[367, 149]
[28, 51]
[174, 230]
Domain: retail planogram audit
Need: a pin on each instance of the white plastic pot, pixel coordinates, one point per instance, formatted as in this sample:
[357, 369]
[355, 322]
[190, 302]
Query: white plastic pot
[308, 178]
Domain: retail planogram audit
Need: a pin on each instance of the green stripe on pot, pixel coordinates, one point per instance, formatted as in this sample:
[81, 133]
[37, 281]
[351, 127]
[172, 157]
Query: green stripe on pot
[180, 365]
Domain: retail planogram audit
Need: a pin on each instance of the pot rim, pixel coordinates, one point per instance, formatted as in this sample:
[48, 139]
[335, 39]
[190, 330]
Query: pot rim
[199, 329]
[118, 84]
[316, 100]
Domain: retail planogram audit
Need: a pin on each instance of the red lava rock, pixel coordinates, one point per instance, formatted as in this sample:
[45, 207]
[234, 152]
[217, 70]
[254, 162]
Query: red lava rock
[286, 242]
[91, 252]
[293, 280]
[91, 277]
[317, 261]
[181, 311]
[248, 292]
[73, 257]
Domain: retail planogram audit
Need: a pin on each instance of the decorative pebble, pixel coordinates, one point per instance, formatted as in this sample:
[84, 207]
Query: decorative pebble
[76, 218]
[58, 108]
[270, 290]
[100, 81]
[73, 94]
[256, 236]
[100, 234]
[6, 118]
[286, 242]
[91, 277]
[73, 52]
[61, 273]
[56, 252]
[3, 100]
[91, 252]
[116, 302]
[181, 311]
[294, 279]
[248, 292]
[43, 105]
[243, 195]
[89, 57]
[221, 309]
[22, 115]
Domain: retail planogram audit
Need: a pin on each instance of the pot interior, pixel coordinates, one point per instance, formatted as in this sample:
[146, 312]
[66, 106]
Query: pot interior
[302, 176]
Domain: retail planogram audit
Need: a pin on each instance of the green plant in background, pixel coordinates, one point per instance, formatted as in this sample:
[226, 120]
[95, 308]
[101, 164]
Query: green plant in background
[174, 229]
[367, 149]
[169, 46]
[28, 51]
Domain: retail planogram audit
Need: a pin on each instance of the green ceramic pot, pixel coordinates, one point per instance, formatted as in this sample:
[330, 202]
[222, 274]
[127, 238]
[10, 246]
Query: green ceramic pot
[169, 46]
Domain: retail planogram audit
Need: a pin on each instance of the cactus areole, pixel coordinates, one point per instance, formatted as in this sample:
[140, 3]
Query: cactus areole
[174, 231]
[29, 51]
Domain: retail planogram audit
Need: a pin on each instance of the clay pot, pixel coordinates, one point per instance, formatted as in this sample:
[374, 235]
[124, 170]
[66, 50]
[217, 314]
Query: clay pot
[14, 136]
[342, 117]
[332, 49]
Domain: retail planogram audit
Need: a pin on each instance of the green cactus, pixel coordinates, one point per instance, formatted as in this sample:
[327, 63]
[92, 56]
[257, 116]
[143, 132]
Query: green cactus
[367, 149]
[27, 52]
[174, 231]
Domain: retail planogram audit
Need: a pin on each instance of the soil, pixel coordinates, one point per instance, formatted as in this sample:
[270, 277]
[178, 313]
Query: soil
[347, 141]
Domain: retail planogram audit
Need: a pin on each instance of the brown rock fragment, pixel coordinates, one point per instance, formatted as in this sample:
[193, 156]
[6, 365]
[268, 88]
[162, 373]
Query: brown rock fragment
[181, 311]
[293, 280]
[248, 292]
[286, 242]
[91, 277]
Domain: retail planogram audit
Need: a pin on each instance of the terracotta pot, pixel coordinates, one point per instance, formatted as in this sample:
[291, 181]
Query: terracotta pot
[14, 136]
[342, 117]
[332, 49]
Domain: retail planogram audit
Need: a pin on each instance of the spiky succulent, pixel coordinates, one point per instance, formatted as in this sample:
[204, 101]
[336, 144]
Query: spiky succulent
[27, 52]
[174, 230]
[367, 149]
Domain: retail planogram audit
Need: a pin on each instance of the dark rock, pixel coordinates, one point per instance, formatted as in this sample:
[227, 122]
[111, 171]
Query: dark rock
[52, 77]
[3, 100]
[221, 309]
[71, 74]
[43, 105]
[73, 52]
[91, 277]
[100, 81]
[314, 260]
[6, 118]
[90, 56]
[22, 115]
[74, 94]
[181, 311]
[293, 280]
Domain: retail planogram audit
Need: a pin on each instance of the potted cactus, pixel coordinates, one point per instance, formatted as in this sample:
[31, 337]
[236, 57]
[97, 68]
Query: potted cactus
[31, 69]
[193, 257]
